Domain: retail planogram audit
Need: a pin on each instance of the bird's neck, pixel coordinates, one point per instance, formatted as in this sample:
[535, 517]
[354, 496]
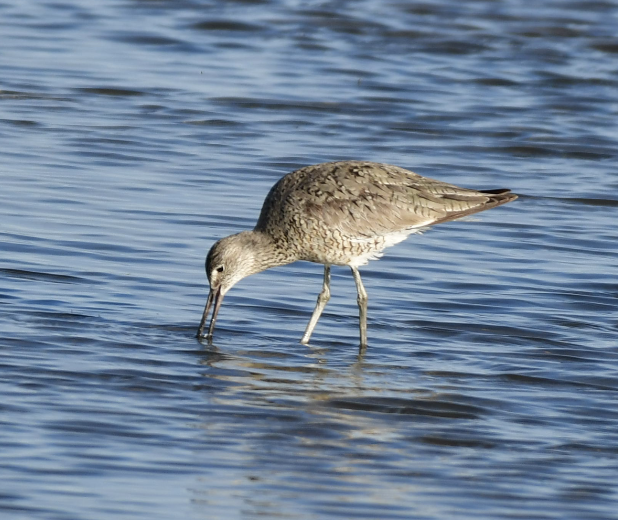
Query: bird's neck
[265, 251]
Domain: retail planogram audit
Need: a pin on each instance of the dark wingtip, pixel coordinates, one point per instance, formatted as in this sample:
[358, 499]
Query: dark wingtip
[499, 196]
[495, 198]
[499, 191]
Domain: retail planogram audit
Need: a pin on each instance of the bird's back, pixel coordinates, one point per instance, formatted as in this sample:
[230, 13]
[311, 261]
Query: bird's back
[347, 212]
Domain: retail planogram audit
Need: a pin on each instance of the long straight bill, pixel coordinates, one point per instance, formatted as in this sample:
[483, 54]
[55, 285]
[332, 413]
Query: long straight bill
[217, 298]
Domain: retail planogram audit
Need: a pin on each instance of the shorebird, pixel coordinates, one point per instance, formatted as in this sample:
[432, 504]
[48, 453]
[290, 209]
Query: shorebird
[338, 213]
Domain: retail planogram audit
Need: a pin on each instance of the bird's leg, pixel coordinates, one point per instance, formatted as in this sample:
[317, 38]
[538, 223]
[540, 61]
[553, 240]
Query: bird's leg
[323, 297]
[362, 307]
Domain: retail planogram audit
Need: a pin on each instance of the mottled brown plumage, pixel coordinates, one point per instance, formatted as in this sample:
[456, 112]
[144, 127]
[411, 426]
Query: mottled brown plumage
[340, 213]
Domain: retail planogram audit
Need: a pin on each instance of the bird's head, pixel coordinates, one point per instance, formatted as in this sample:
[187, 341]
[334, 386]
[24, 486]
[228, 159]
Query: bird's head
[229, 260]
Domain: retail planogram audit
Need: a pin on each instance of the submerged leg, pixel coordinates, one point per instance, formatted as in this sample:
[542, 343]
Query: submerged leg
[323, 297]
[362, 307]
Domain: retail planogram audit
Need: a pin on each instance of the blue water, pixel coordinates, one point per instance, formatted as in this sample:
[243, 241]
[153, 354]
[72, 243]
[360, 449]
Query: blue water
[133, 134]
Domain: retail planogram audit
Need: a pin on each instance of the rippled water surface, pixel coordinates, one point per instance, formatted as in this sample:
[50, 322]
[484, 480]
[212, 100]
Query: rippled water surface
[133, 134]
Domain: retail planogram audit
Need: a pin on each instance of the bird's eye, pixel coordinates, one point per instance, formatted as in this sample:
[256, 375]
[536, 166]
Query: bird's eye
[220, 269]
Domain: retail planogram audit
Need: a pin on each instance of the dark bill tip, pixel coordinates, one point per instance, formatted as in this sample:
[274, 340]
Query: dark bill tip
[200, 330]
[216, 297]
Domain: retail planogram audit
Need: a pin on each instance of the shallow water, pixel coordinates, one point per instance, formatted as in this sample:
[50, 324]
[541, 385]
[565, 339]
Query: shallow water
[136, 133]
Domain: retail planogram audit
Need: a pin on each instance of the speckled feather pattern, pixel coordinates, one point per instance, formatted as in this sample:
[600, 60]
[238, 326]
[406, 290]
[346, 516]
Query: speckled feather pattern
[346, 213]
